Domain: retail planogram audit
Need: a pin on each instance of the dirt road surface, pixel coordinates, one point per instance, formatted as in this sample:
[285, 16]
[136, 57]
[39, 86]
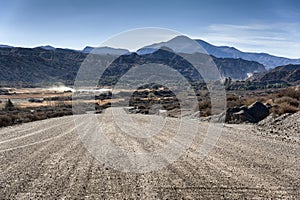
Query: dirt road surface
[47, 160]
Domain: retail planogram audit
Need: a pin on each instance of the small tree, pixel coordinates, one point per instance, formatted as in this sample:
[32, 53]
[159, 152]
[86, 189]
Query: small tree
[9, 105]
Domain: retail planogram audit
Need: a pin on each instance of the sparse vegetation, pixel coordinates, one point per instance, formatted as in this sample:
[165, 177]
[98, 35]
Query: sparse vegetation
[14, 115]
[9, 105]
[284, 108]
[280, 101]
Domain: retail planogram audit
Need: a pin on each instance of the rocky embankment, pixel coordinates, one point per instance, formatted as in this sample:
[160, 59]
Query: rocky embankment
[285, 127]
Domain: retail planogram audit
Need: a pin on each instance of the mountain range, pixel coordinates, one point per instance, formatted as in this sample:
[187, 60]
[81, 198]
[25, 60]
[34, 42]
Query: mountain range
[182, 44]
[48, 65]
[269, 61]
[39, 66]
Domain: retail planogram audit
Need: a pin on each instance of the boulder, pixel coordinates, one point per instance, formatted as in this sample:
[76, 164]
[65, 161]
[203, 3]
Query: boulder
[259, 111]
[253, 113]
[243, 116]
[230, 112]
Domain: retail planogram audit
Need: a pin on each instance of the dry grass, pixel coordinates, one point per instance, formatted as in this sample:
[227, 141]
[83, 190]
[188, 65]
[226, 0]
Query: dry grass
[288, 100]
[250, 100]
[284, 108]
[24, 115]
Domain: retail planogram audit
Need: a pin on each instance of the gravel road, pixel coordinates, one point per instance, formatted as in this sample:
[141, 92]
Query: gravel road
[47, 160]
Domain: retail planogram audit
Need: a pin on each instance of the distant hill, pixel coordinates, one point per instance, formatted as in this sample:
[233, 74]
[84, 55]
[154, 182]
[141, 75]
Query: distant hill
[105, 50]
[39, 66]
[5, 46]
[180, 44]
[47, 47]
[283, 74]
[183, 44]
[269, 61]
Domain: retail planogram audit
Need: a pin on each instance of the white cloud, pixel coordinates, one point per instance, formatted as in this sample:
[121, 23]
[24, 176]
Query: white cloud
[281, 39]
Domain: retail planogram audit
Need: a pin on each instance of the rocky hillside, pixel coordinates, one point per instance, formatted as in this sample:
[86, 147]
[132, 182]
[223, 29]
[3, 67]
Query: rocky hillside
[41, 66]
[286, 126]
[234, 68]
[283, 74]
[38, 66]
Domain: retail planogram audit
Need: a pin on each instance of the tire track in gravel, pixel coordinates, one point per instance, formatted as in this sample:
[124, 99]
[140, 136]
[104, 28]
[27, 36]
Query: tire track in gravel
[38, 142]
[19, 152]
[144, 190]
[269, 157]
[260, 153]
[9, 132]
[18, 175]
[249, 160]
[237, 174]
[33, 165]
[31, 134]
[180, 174]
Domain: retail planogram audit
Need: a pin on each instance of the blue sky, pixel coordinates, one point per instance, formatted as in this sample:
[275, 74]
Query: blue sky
[271, 26]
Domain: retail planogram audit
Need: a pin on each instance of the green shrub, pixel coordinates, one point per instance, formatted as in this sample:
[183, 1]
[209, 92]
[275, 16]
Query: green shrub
[9, 105]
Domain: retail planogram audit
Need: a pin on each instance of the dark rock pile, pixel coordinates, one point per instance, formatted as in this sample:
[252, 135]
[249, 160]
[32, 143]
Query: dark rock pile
[252, 114]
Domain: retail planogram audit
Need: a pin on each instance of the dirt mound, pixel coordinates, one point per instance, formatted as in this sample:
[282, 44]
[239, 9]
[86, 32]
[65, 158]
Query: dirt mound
[286, 126]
